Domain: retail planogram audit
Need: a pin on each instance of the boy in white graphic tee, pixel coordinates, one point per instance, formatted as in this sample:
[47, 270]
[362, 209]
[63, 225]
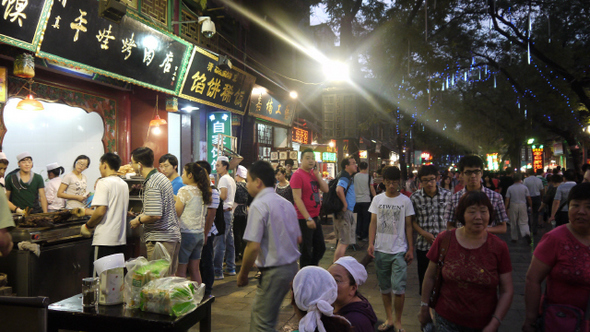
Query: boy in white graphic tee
[391, 244]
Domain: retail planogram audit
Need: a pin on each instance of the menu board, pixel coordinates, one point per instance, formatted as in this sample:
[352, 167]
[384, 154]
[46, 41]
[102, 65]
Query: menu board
[23, 21]
[206, 83]
[267, 107]
[131, 51]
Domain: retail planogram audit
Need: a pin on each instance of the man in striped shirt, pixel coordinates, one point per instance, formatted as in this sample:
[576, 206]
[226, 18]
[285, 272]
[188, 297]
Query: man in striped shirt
[159, 219]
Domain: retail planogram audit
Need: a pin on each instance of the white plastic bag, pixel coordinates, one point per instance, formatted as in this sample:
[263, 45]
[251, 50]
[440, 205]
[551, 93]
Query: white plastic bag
[140, 271]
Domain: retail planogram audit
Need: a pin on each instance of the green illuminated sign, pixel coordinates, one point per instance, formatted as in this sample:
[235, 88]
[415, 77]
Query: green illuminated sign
[217, 123]
[329, 157]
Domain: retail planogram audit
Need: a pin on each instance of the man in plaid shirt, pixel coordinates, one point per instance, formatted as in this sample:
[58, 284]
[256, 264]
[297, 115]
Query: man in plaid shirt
[429, 205]
[471, 168]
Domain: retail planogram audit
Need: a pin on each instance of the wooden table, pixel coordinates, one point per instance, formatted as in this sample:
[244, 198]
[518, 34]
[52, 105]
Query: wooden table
[69, 314]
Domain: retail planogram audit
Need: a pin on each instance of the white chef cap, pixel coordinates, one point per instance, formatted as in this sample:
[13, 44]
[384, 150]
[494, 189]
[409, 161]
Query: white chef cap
[314, 291]
[356, 269]
[3, 156]
[242, 172]
[223, 158]
[23, 155]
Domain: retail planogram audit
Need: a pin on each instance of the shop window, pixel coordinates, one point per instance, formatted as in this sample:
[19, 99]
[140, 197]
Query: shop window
[264, 137]
[156, 9]
[59, 134]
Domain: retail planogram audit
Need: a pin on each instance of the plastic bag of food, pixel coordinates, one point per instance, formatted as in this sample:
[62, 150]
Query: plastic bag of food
[173, 296]
[140, 271]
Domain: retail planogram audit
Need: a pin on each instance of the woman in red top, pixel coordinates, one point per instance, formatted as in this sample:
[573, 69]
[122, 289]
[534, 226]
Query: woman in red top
[476, 269]
[563, 257]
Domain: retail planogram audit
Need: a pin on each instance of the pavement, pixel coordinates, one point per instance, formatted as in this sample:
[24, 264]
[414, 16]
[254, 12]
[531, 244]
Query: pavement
[232, 306]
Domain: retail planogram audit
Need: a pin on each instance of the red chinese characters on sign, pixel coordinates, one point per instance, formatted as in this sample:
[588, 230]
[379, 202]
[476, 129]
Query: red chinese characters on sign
[537, 159]
[300, 135]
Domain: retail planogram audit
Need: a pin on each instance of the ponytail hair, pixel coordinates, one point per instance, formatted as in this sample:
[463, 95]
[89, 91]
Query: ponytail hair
[201, 177]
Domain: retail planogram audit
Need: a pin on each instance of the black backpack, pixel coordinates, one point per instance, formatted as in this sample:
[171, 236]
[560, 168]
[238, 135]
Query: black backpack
[331, 203]
[219, 219]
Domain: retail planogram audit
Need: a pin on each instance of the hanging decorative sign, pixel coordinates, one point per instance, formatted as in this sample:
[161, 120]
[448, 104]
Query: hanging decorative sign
[537, 158]
[131, 51]
[329, 157]
[206, 83]
[265, 106]
[23, 22]
[300, 135]
[3, 84]
[363, 154]
[217, 123]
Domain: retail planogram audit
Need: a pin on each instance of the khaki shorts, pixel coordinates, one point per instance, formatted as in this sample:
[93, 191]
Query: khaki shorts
[345, 227]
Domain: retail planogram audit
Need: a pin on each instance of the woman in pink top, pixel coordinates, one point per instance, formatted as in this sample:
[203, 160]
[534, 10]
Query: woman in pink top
[563, 258]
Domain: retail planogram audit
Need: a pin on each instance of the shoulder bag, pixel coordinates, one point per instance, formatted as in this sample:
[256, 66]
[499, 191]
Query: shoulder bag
[562, 317]
[444, 248]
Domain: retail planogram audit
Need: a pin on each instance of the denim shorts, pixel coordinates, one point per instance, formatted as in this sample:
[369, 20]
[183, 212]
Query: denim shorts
[191, 245]
[392, 272]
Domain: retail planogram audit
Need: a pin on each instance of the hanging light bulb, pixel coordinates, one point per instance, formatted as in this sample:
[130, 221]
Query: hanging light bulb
[29, 104]
[157, 130]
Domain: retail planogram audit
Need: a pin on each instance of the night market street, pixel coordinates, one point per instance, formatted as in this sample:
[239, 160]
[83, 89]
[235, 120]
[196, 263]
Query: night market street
[231, 310]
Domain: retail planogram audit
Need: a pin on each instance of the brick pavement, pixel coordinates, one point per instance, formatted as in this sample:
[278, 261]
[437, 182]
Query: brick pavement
[231, 310]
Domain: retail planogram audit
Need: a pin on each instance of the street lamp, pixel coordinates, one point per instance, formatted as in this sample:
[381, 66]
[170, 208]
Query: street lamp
[336, 71]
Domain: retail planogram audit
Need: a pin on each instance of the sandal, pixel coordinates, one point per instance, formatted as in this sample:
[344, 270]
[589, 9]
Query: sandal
[385, 327]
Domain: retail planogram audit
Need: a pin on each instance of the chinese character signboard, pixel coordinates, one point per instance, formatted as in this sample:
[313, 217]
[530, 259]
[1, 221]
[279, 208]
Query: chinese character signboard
[492, 162]
[23, 22]
[206, 83]
[300, 135]
[130, 51]
[265, 106]
[537, 158]
[3, 84]
[217, 123]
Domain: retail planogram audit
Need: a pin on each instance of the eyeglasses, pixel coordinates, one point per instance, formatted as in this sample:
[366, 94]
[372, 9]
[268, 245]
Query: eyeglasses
[474, 172]
[81, 163]
[428, 180]
[389, 182]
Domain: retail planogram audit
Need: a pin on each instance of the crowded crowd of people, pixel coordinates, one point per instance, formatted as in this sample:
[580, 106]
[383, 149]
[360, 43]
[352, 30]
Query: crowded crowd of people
[270, 219]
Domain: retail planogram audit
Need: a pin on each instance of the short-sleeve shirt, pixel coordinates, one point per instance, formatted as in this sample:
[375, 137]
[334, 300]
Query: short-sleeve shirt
[112, 192]
[500, 215]
[25, 195]
[241, 199]
[54, 202]
[286, 192]
[75, 186]
[562, 192]
[568, 281]
[391, 222]
[534, 184]
[228, 182]
[310, 195]
[344, 182]
[272, 222]
[177, 184]
[158, 200]
[430, 213]
[192, 219]
[214, 205]
[469, 292]
[6, 219]
[362, 187]
[518, 193]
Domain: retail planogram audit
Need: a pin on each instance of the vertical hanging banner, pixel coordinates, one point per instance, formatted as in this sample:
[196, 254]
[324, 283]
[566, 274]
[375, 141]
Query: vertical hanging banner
[217, 123]
[538, 158]
[23, 22]
[131, 51]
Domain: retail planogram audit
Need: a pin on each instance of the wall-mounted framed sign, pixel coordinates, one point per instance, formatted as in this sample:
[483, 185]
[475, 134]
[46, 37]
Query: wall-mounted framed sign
[267, 107]
[131, 51]
[23, 22]
[206, 83]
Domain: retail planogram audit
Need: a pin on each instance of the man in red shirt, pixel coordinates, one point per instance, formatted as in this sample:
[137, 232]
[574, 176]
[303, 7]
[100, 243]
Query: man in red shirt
[306, 183]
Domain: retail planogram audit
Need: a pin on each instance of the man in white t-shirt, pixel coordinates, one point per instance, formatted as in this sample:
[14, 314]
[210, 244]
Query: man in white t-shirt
[224, 244]
[109, 218]
[391, 244]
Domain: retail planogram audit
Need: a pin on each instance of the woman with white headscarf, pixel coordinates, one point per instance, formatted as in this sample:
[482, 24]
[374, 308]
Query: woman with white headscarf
[349, 274]
[314, 291]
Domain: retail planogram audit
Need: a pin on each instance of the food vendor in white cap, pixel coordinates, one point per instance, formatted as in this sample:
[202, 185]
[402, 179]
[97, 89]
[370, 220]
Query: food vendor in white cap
[349, 275]
[25, 189]
[54, 203]
[3, 167]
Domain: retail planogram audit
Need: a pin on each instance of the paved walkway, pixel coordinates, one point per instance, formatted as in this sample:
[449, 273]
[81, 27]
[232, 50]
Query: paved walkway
[231, 310]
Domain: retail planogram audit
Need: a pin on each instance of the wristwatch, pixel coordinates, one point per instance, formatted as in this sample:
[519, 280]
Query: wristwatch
[309, 219]
[139, 219]
[423, 304]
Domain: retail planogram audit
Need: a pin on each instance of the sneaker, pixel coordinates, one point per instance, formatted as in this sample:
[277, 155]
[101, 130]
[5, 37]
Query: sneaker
[219, 277]
[231, 272]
